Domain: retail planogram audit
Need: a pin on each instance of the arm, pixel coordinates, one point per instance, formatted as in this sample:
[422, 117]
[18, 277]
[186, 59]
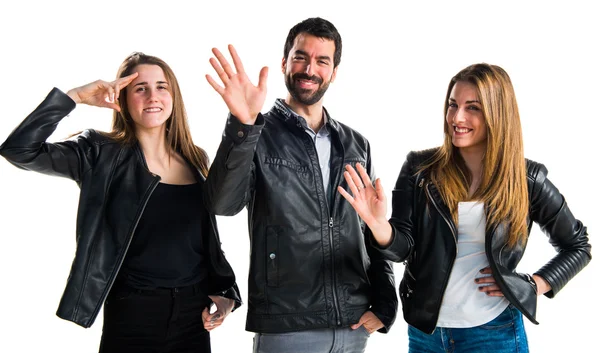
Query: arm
[26, 146]
[393, 240]
[231, 177]
[568, 235]
[230, 180]
[384, 301]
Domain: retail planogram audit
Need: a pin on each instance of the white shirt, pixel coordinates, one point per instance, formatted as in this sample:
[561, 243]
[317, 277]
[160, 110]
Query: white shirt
[463, 304]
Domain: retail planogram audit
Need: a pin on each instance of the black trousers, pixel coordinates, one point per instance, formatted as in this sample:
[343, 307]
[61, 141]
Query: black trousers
[162, 320]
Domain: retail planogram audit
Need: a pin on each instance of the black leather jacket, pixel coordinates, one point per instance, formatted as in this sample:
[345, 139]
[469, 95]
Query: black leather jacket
[115, 186]
[310, 266]
[425, 238]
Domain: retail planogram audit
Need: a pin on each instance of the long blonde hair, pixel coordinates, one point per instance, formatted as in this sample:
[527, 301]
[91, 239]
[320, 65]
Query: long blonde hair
[177, 131]
[503, 188]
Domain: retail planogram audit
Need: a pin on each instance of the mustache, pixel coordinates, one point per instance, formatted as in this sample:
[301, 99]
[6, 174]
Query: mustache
[303, 76]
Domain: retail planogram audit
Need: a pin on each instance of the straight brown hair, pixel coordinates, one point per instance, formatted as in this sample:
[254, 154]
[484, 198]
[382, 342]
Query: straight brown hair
[503, 188]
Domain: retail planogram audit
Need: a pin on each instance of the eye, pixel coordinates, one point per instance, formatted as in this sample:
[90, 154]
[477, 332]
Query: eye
[452, 105]
[162, 87]
[323, 62]
[473, 107]
[140, 89]
[298, 58]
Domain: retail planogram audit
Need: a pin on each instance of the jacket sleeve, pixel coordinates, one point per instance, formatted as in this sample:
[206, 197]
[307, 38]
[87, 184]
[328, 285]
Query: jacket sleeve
[402, 220]
[384, 300]
[230, 180]
[567, 235]
[234, 294]
[26, 146]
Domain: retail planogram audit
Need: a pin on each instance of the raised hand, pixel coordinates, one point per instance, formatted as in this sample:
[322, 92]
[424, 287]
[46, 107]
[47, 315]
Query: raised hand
[243, 99]
[101, 93]
[223, 308]
[369, 202]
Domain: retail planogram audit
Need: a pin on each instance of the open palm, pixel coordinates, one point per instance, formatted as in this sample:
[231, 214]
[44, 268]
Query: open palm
[243, 99]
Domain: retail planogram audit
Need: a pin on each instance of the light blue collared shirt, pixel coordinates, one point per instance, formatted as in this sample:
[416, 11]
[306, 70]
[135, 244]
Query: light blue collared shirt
[322, 141]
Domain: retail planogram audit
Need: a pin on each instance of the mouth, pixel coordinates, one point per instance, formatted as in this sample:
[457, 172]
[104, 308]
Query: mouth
[153, 110]
[461, 130]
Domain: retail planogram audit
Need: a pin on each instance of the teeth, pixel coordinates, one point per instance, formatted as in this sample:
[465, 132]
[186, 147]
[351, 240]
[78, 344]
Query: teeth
[461, 130]
[152, 110]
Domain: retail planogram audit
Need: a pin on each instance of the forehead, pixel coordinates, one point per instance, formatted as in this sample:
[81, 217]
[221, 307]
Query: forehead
[313, 45]
[149, 73]
[464, 91]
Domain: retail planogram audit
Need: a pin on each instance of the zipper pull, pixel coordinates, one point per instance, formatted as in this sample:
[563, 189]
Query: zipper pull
[330, 222]
[421, 183]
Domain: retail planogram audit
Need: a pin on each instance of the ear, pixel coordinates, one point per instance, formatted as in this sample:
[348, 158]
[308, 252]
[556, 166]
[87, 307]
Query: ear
[334, 74]
[283, 63]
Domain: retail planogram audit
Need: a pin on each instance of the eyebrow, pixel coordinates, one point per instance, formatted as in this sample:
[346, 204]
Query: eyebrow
[321, 57]
[145, 83]
[467, 102]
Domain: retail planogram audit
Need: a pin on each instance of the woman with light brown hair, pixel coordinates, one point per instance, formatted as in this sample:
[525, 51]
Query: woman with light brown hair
[147, 248]
[461, 217]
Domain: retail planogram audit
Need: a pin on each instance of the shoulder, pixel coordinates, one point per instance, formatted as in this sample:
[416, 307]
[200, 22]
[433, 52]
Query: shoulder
[346, 133]
[536, 174]
[419, 158]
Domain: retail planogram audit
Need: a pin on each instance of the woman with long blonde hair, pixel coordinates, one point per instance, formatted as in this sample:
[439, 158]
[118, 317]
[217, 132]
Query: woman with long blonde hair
[147, 247]
[461, 217]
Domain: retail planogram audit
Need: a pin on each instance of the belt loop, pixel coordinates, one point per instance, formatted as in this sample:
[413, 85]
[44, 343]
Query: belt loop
[174, 291]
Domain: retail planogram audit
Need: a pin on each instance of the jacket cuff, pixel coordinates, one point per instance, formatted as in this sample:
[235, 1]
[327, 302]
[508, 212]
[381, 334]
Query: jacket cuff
[239, 132]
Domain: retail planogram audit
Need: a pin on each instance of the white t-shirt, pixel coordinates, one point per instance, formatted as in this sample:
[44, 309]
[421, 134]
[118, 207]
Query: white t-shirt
[463, 304]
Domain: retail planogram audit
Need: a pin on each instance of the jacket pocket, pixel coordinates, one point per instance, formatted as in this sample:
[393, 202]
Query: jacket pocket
[272, 252]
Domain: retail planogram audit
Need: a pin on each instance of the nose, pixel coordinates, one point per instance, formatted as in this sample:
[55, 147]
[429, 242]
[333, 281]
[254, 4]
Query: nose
[152, 94]
[459, 116]
[309, 69]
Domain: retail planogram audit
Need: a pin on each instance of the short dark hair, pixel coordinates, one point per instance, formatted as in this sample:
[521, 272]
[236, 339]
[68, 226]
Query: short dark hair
[319, 28]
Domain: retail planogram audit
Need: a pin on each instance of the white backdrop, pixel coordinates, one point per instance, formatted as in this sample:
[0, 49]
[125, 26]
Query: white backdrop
[395, 68]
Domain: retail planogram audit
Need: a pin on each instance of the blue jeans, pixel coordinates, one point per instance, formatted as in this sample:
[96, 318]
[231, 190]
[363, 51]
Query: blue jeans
[504, 334]
[338, 340]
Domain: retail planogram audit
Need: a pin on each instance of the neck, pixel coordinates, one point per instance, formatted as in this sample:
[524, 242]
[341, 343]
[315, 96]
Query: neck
[153, 143]
[313, 114]
[474, 161]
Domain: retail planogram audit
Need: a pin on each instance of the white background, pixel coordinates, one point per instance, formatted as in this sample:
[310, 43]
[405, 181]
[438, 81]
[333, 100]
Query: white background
[396, 65]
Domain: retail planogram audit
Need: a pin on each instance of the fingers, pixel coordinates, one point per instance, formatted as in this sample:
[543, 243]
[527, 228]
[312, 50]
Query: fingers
[366, 180]
[123, 82]
[262, 78]
[486, 270]
[379, 189]
[237, 62]
[224, 69]
[220, 90]
[351, 185]
[346, 195]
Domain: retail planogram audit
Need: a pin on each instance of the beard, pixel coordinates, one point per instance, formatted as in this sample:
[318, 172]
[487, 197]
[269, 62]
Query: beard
[306, 96]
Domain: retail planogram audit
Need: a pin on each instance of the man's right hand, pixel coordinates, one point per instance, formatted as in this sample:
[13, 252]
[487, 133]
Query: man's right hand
[243, 99]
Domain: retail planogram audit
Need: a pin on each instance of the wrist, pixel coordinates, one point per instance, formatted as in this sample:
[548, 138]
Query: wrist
[382, 232]
[72, 93]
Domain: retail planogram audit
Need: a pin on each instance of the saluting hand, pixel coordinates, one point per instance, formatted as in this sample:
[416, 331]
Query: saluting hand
[101, 93]
[243, 99]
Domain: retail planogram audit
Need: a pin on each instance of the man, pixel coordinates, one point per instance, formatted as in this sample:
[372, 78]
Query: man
[312, 286]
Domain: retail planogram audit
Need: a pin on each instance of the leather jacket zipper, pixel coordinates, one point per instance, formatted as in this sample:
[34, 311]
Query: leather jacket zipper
[130, 237]
[330, 230]
[498, 278]
[453, 231]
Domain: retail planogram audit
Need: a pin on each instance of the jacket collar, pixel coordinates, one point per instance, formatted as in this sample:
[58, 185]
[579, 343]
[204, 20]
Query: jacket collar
[285, 113]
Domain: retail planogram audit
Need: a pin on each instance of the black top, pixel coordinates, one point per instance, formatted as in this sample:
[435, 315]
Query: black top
[167, 249]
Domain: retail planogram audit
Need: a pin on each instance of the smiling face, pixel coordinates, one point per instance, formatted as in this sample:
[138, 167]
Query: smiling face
[309, 68]
[149, 99]
[466, 123]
